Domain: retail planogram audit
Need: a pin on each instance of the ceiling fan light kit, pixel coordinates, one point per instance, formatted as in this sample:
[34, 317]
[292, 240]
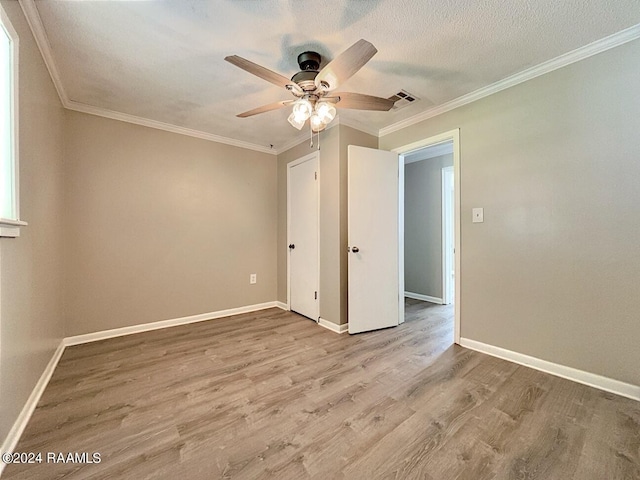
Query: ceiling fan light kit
[319, 114]
[311, 86]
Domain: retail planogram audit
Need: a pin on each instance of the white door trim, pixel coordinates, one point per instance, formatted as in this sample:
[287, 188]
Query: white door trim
[400, 239]
[290, 165]
[452, 135]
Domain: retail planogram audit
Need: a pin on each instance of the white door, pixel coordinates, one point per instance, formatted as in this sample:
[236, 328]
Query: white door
[302, 180]
[374, 220]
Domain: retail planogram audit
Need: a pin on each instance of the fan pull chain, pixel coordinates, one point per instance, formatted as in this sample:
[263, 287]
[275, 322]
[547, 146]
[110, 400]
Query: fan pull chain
[311, 143]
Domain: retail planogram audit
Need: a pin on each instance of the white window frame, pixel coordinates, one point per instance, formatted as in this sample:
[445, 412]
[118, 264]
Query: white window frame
[10, 227]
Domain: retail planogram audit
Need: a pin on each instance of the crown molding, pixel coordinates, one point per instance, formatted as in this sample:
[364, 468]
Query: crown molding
[35, 23]
[37, 28]
[39, 33]
[606, 43]
[298, 139]
[358, 126]
[125, 117]
[337, 121]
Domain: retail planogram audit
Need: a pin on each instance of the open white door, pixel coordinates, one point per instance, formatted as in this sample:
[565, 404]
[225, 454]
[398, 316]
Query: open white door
[374, 220]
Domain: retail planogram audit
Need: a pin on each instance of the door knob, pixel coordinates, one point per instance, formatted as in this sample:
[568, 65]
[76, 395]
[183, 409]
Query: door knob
[291, 246]
[355, 249]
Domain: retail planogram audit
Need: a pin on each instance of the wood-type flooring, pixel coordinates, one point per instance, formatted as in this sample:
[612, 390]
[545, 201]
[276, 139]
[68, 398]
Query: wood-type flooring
[271, 395]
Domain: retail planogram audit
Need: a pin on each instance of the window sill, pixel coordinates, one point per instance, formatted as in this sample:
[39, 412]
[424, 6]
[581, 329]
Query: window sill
[11, 228]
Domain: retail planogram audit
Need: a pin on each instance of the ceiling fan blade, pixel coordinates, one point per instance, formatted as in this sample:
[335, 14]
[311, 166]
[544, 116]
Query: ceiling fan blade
[341, 68]
[360, 101]
[262, 72]
[265, 108]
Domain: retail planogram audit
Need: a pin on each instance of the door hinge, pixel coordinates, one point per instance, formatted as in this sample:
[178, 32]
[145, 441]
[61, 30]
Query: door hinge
[315, 295]
[315, 174]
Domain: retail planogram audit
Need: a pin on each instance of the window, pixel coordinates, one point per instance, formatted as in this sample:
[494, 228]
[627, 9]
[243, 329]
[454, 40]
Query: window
[9, 209]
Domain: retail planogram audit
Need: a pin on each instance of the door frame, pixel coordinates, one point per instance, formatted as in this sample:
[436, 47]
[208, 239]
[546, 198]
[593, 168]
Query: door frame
[454, 136]
[312, 156]
[446, 241]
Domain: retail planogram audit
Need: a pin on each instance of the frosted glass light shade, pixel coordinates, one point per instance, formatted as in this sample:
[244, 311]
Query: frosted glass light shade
[296, 121]
[326, 112]
[317, 125]
[302, 109]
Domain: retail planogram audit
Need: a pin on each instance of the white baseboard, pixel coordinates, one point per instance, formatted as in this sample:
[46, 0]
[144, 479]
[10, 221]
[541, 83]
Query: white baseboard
[333, 327]
[282, 306]
[146, 327]
[586, 378]
[424, 298]
[19, 425]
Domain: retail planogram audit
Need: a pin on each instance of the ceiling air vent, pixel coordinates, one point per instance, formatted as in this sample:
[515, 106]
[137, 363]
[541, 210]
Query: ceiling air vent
[402, 99]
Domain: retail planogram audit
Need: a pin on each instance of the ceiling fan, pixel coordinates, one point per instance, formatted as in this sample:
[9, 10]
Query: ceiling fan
[313, 88]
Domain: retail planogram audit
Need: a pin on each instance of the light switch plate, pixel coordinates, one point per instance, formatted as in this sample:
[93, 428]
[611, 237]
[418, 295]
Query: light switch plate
[478, 215]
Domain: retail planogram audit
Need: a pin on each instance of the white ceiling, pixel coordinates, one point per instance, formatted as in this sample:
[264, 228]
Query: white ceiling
[163, 60]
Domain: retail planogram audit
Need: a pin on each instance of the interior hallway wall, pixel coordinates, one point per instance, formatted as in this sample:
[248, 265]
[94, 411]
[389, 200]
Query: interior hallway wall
[423, 225]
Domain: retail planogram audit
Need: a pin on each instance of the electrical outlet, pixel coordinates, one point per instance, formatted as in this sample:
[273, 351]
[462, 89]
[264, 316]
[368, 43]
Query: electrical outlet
[477, 215]
[253, 278]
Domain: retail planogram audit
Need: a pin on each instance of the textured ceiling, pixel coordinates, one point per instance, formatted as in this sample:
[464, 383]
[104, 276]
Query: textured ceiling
[164, 60]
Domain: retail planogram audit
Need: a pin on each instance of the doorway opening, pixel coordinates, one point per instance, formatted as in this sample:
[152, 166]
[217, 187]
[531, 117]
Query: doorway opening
[429, 197]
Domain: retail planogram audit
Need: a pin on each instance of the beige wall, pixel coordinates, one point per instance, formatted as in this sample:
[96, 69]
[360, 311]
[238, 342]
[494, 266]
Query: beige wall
[553, 270]
[31, 320]
[162, 226]
[423, 225]
[333, 211]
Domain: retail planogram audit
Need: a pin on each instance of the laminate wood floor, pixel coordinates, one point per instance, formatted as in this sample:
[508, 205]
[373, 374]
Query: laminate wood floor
[272, 395]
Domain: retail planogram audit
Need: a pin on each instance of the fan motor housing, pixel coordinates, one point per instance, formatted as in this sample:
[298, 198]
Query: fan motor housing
[306, 79]
[309, 63]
